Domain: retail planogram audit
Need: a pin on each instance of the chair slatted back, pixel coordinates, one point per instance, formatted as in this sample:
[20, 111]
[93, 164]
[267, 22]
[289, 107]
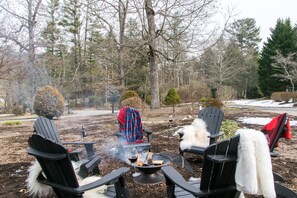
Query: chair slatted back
[213, 118]
[55, 163]
[47, 128]
[217, 175]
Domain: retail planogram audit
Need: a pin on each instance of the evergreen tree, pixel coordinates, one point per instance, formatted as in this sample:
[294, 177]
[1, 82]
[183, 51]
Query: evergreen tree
[172, 98]
[246, 33]
[72, 24]
[54, 49]
[283, 40]
[51, 32]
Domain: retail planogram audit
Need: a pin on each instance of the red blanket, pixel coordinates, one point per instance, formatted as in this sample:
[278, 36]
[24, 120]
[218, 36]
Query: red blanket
[272, 128]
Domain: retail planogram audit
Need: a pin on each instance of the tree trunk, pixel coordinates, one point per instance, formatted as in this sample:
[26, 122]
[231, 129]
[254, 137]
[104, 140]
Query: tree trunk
[32, 13]
[155, 100]
[122, 20]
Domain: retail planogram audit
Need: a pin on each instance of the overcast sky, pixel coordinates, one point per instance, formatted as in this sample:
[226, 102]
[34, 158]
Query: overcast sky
[265, 12]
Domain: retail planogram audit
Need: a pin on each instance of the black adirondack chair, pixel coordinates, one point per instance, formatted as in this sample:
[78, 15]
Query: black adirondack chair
[213, 118]
[145, 145]
[275, 134]
[48, 128]
[217, 177]
[55, 162]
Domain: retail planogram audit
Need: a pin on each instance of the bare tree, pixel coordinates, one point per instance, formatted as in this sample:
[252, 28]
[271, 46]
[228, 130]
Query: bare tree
[12, 76]
[222, 64]
[7, 63]
[26, 27]
[287, 67]
[161, 16]
[157, 20]
[155, 100]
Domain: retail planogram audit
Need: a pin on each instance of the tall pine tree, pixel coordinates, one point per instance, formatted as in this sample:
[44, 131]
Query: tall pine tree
[246, 33]
[283, 40]
[246, 36]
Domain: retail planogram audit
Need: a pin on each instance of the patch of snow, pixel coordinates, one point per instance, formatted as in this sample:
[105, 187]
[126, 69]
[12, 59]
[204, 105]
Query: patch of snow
[254, 120]
[260, 121]
[261, 103]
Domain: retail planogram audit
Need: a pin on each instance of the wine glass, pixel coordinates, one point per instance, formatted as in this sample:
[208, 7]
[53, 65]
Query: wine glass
[132, 155]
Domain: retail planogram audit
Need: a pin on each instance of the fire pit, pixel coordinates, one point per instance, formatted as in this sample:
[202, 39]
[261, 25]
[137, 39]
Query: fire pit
[150, 173]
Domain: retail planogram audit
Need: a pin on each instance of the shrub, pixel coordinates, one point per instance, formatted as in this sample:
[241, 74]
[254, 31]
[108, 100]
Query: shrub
[11, 122]
[184, 94]
[226, 93]
[229, 127]
[172, 98]
[194, 91]
[48, 102]
[284, 96]
[213, 102]
[203, 101]
[134, 102]
[129, 94]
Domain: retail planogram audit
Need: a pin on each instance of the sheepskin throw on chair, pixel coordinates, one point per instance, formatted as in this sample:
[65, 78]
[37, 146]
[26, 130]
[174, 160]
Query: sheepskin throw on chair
[254, 169]
[37, 189]
[195, 134]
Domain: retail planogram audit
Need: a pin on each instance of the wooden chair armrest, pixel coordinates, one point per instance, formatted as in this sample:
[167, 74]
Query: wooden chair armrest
[106, 179]
[88, 145]
[213, 138]
[90, 165]
[196, 150]
[147, 130]
[44, 155]
[216, 135]
[172, 176]
[75, 151]
[277, 177]
[273, 154]
[175, 177]
[283, 191]
[181, 133]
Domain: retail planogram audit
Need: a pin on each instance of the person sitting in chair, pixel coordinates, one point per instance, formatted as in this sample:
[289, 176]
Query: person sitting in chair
[130, 125]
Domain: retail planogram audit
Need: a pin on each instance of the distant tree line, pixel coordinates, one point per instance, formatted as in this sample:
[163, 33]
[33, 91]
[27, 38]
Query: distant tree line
[98, 48]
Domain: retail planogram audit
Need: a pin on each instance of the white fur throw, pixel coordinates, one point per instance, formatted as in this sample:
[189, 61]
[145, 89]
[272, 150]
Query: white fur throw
[37, 189]
[254, 170]
[194, 135]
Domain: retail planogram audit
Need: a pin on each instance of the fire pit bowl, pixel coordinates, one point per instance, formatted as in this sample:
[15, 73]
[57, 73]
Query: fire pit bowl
[151, 174]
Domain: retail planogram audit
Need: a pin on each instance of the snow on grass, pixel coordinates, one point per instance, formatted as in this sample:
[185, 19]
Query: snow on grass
[260, 121]
[261, 103]
[254, 120]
